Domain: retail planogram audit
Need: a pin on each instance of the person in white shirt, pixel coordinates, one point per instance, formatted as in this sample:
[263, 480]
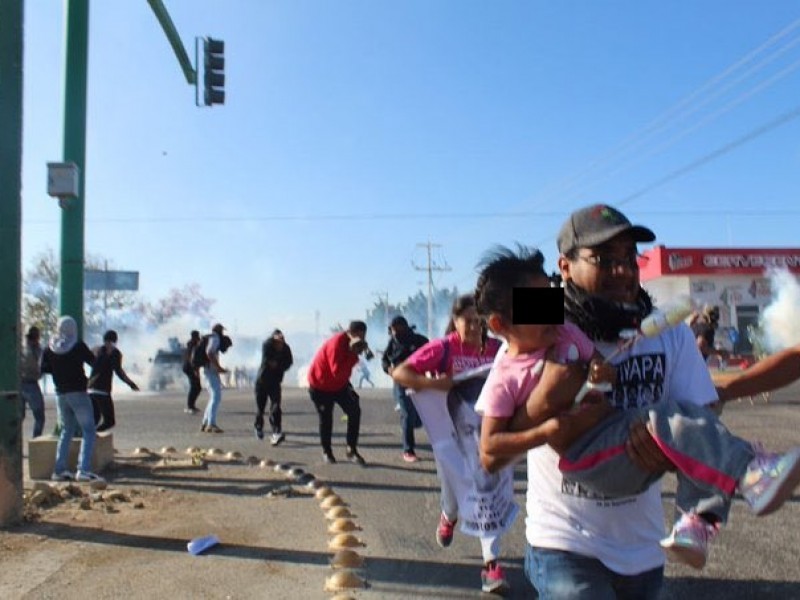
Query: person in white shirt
[582, 545]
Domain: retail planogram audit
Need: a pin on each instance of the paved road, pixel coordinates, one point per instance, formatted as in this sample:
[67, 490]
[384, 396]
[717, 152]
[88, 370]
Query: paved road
[397, 504]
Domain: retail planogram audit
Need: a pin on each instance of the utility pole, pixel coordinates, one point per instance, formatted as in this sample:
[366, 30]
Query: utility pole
[11, 50]
[430, 268]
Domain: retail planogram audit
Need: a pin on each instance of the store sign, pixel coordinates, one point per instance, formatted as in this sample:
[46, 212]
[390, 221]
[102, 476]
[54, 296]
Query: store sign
[734, 261]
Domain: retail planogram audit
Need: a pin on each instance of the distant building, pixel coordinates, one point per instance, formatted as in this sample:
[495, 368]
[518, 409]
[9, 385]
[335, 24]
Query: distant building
[734, 279]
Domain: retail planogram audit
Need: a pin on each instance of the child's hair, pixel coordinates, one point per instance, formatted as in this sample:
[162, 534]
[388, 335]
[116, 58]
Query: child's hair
[501, 270]
[460, 305]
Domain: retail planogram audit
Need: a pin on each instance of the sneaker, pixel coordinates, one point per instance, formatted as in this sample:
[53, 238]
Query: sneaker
[444, 533]
[688, 541]
[493, 580]
[88, 476]
[354, 457]
[190, 411]
[203, 426]
[213, 429]
[410, 457]
[62, 476]
[277, 438]
[259, 433]
[770, 479]
[328, 457]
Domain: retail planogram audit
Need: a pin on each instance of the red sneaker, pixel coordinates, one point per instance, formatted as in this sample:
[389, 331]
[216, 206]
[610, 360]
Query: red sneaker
[444, 533]
[493, 580]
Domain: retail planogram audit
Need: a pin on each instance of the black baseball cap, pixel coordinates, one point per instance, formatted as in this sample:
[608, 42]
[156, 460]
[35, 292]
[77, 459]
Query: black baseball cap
[595, 225]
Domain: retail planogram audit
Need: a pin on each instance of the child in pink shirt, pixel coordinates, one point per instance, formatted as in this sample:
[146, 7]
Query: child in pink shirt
[712, 464]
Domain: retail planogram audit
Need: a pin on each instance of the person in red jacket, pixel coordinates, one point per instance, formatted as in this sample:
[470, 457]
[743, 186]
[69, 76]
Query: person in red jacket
[329, 383]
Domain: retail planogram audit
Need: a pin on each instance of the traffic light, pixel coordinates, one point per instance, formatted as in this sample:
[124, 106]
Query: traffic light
[214, 71]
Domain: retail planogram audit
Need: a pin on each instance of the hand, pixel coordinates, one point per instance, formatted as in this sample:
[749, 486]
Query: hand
[643, 450]
[443, 383]
[357, 346]
[602, 372]
[134, 387]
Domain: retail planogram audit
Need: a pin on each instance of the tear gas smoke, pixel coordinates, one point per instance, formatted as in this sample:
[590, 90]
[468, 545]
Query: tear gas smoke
[779, 321]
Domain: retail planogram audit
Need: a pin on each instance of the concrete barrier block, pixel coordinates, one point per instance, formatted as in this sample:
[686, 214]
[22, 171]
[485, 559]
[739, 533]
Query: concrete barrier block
[42, 454]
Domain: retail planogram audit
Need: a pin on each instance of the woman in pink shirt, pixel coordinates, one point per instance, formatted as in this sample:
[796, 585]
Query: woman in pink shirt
[433, 366]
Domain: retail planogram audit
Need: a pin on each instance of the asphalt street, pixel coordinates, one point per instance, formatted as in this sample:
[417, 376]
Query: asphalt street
[397, 503]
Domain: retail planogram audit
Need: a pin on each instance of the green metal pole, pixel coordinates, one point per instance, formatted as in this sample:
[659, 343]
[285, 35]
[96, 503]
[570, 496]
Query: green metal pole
[174, 40]
[72, 218]
[11, 45]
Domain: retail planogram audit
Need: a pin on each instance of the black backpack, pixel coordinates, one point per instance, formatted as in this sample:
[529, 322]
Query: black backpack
[200, 353]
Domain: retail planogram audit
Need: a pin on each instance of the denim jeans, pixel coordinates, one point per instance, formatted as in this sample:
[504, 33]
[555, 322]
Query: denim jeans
[32, 396]
[75, 410]
[409, 419]
[560, 575]
[215, 392]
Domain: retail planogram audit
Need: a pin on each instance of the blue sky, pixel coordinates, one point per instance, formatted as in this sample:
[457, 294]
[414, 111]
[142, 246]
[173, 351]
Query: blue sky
[354, 131]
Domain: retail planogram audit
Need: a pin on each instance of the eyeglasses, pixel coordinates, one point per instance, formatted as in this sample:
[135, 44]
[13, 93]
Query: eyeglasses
[610, 263]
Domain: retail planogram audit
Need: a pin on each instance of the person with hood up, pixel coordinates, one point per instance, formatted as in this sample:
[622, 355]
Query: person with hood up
[404, 341]
[276, 358]
[108, 361]
[64, 359]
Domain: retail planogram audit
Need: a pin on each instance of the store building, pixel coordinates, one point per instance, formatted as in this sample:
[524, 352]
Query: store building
[734, 279]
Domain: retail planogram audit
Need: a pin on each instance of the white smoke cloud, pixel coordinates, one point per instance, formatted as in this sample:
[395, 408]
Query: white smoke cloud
[780, 320]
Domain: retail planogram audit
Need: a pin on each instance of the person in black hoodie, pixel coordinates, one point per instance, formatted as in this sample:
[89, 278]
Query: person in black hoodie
[403, 342]
[192, 373]
[107, 362]
[276, 358]
[64, 359]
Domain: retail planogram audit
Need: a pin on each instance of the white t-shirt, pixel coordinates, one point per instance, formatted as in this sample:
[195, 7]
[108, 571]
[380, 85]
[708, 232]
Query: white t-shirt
[623, 533]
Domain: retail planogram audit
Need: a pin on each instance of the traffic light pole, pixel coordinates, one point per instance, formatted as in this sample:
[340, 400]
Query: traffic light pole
[72, 215]
[11, 51]
[174, 40]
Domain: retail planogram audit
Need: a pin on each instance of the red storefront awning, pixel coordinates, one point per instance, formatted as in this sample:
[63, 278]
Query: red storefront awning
[662, 261]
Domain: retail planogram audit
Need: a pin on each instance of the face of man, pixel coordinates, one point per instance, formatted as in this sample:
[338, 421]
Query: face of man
[609, 270]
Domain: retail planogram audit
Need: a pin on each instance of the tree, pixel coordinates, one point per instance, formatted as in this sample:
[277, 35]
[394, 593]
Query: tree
[40, 294]
[103, 309]
[415, 310]
[188, 300]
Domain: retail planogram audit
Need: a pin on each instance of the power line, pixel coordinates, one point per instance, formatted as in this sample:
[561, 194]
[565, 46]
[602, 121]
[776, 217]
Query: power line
[781, 212]
[703, 160]
[688, 105]
[695, 164]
